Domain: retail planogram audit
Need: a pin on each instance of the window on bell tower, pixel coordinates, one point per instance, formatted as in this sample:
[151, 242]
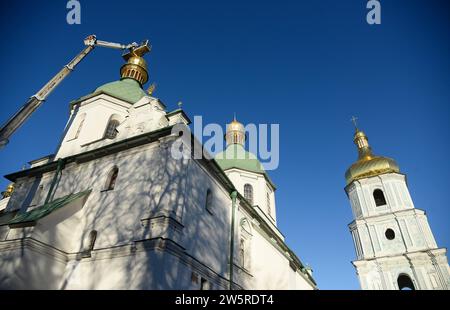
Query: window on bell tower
[405, 283]
[378, 196]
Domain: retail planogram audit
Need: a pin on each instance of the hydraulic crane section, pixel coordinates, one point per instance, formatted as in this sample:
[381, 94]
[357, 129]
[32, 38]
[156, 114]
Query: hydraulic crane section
[36, 100]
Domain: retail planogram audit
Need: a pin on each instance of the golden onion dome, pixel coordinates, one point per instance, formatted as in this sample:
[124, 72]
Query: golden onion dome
[235, 126]
[136, 69]
[368, 164]
[235, 133]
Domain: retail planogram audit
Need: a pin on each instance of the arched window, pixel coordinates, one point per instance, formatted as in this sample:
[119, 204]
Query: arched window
[248, 193]
[405, 283]
[112, 178]
[92, 238]
[209, 200]
[379, 197]
[80, 126]
[111, 129]
[242, 258]
[244, 250]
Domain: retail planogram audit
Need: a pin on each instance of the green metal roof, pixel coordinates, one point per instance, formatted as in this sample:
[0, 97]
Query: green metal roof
[46, 209]
[235, 156]
[125, 89]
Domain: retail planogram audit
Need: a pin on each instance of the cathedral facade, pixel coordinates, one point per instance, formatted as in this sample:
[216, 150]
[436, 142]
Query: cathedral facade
[112, 209]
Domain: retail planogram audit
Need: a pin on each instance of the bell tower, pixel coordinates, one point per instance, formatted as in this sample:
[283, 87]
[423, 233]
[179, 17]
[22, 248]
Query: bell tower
[395, 248]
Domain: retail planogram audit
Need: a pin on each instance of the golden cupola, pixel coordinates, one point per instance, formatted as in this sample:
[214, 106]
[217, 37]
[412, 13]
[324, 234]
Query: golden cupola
[136, 66]
[368, 164]
[9, 190]
[235, 133]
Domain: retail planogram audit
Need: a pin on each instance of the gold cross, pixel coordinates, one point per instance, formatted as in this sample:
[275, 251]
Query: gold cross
[138, 51]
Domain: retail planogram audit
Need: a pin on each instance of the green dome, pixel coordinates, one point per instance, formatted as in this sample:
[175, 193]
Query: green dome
[235, 156]
[126, 89]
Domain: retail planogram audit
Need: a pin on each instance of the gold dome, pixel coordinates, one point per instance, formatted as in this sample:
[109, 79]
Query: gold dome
[235, 126]
[368, 164]
[136, 66]
[235, 133]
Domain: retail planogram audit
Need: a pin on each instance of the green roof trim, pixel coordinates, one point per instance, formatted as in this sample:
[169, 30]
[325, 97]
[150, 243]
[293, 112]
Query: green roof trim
[235, 156]
[125, 89]
[46, 209]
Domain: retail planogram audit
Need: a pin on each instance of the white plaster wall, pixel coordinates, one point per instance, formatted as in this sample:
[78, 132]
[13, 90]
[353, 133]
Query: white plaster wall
[271, 270]
[27, 268]
[146, 115]
[411, 228]
[97, 111]
[260, 188]
[206, 234]
[380, 260]
[395, 191]
[149, 183]
[383, 273]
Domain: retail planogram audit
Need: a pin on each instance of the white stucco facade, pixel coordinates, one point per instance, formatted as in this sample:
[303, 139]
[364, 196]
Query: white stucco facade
[262, 190]
[151, 230]
[394, 245]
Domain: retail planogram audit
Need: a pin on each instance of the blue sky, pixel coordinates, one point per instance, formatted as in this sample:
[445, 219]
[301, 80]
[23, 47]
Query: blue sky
[307, 65]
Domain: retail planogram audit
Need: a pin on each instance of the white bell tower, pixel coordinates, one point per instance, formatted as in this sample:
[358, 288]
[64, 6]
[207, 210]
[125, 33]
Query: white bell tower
[395, 248]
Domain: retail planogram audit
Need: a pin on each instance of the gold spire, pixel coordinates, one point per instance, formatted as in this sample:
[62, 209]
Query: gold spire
[136, 66]
[368, 164]
[235, 133]
[362, 143]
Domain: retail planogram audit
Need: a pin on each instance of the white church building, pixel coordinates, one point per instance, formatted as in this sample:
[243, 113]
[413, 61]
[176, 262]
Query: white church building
[395, 248]
[112, 209]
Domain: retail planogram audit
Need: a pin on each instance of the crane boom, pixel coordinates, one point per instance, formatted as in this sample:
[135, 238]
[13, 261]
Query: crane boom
[36, 100]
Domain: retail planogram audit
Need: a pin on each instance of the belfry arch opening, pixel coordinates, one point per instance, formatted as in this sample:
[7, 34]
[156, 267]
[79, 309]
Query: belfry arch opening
[405, 283]
[379, 198]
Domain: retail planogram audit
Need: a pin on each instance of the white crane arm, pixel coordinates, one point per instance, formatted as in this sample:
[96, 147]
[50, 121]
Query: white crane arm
[36, 100]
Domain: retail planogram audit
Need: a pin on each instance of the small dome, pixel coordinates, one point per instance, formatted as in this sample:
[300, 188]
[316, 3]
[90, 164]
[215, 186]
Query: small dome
[138, 61]
[235, 126]
[235, 156]
[235, 133]
[368, 164]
